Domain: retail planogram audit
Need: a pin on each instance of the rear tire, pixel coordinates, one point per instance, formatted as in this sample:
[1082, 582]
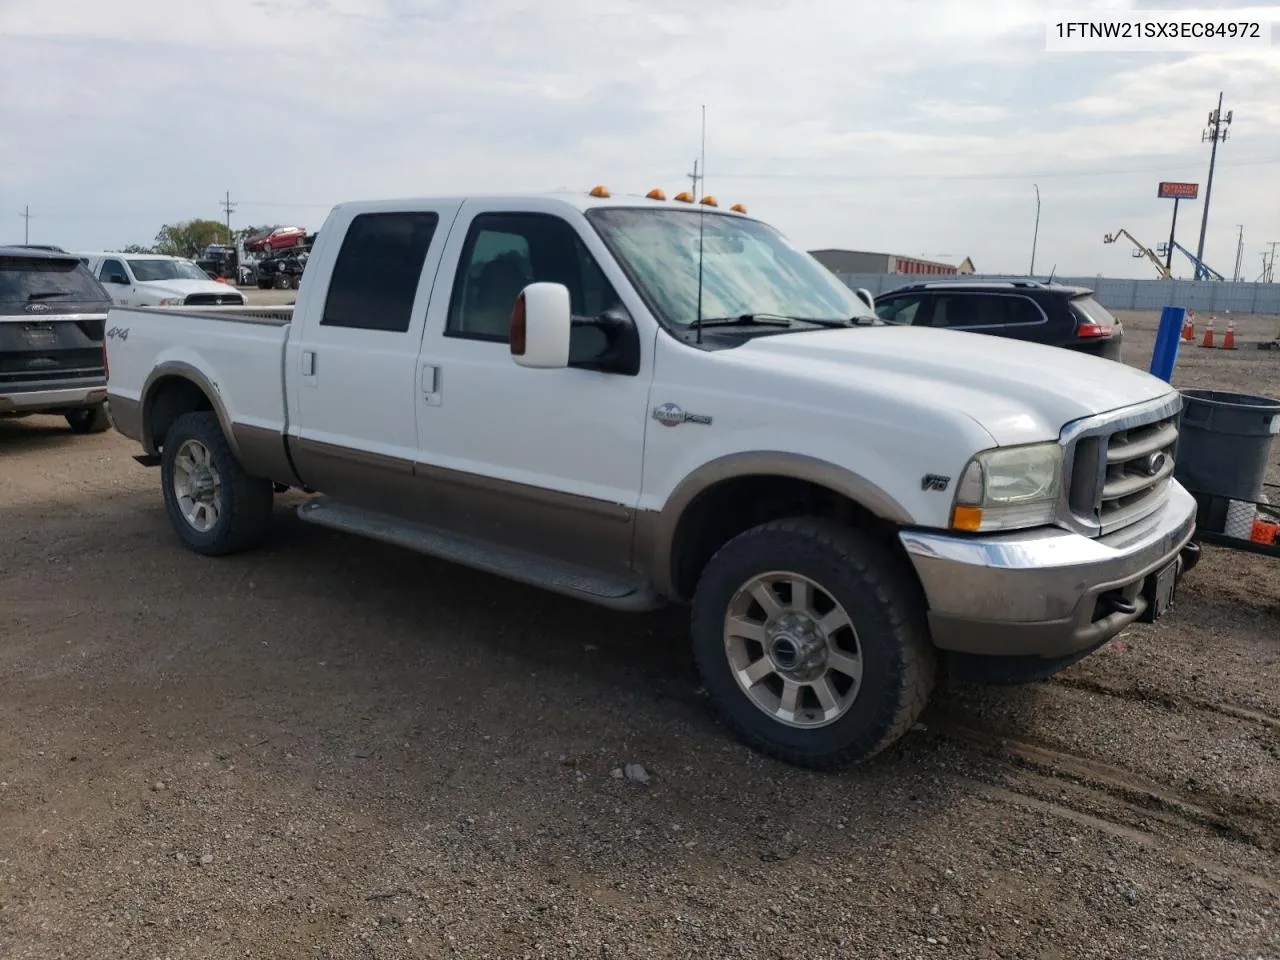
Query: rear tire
[89, 419]
[823, 675]
[215, 507]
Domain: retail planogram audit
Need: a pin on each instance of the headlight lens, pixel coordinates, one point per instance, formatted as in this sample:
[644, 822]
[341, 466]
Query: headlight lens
[171, 302]
[1009, 488]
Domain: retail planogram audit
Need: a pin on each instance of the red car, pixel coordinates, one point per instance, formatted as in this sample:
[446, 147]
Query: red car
[278, 239]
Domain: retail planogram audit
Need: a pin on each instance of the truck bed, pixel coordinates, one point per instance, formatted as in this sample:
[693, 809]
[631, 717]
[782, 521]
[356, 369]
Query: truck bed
[239, 349]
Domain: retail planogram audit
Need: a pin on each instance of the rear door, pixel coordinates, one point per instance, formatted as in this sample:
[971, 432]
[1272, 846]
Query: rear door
[1010, 315]
[352, 359]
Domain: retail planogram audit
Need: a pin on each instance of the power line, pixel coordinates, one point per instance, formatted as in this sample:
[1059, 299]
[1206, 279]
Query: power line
[26, 227]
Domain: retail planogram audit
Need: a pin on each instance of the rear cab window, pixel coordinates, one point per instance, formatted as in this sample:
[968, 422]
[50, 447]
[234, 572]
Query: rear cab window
[376, 275]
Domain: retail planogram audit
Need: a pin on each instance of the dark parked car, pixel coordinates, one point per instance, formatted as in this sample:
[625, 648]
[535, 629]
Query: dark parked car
[1048, 313]
[52, 356]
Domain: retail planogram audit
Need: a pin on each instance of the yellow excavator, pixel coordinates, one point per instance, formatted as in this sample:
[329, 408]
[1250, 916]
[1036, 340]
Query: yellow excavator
[1141, 251]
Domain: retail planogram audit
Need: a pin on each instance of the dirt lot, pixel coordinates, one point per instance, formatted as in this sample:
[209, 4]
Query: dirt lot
[333, 748]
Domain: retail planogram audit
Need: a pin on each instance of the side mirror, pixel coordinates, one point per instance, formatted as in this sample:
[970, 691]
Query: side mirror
[864, 295]
[119, 278]
[540, 326]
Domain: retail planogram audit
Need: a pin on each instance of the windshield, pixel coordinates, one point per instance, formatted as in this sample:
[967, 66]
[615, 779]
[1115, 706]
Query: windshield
[25, 280]
[145, 271]
[747, 267]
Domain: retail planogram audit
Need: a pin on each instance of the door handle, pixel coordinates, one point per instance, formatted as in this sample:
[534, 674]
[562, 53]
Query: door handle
[308, 363]
[429, 381]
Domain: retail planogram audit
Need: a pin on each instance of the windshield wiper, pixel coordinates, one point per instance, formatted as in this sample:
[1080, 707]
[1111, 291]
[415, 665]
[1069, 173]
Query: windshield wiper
[46, 294]
[742, 320]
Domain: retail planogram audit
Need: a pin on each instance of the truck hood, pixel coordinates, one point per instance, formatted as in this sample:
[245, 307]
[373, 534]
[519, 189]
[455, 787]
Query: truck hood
[181, 288]
[1018, 392]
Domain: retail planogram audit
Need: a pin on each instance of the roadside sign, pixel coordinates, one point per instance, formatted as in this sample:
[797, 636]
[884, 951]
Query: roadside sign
[1171, 190]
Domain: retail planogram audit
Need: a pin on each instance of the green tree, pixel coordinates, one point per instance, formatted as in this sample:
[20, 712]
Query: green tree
[136, 248]
[188, 238]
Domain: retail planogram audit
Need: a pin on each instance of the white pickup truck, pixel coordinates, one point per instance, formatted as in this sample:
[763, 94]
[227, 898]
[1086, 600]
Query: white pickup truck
[632, 401]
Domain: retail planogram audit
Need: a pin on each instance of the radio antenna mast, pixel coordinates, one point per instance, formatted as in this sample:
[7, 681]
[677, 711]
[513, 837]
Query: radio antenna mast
[701, 215]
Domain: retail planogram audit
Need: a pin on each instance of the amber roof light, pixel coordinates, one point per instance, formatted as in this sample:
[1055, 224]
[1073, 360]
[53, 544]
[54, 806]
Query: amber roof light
[599, 191]
[709, 200]
[656, 194]
[738, 208]
[684, 196]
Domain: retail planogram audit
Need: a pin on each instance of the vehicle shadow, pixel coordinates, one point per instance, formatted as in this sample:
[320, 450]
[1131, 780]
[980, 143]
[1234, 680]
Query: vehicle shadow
[19, 434]
[410, 684]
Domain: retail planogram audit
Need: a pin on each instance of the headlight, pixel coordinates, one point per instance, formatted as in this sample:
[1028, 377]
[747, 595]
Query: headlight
[1009, 488]
[171, 302]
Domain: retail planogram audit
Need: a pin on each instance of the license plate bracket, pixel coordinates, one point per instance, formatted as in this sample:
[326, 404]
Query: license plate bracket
[40, 337]
[1160, 590]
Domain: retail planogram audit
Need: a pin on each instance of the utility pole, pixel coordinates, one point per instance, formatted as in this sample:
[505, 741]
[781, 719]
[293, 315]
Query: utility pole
[696, 177]
[1270, 262]
[1036, 235]
[228, 206]
[1239, 251]
[1217, 130]
[26, 227]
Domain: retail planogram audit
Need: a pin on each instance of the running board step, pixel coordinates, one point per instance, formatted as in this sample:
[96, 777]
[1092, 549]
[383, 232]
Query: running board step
[571, 581]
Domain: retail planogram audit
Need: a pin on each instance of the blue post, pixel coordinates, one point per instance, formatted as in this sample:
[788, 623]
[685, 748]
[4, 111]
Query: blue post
[1168, 336]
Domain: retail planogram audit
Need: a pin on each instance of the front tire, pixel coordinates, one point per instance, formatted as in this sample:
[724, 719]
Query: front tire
[214, 506]
[89, 419]
[811, 641]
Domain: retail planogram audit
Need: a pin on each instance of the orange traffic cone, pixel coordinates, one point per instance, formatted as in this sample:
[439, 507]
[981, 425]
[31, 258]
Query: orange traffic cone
[1208, 334]
[1229, 341]
[1188, 328]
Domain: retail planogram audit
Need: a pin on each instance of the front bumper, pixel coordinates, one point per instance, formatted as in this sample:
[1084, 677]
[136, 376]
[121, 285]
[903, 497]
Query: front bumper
[1045, 593]
[62, 398]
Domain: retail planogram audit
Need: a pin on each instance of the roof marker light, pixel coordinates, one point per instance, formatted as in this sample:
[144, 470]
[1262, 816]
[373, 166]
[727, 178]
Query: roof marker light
[738, 208]
[684, 196]
[709, 201]
[656, 194]
[599, 191]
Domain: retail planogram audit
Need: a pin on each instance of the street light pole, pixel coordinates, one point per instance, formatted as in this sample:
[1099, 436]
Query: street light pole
[1035, 236]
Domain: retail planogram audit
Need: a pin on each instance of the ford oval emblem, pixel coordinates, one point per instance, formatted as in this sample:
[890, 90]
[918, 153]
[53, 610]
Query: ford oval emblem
[38, 308]
[1155, 463]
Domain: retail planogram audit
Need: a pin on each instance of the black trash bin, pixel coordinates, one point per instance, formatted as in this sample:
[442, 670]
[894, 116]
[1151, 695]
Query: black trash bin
[1224, 443]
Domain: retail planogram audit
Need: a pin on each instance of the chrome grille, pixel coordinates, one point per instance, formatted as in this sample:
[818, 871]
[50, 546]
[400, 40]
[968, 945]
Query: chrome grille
[1120, 466]
[214, 299]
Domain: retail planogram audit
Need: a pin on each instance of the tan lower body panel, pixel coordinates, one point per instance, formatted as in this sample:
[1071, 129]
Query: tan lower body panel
[579, 530]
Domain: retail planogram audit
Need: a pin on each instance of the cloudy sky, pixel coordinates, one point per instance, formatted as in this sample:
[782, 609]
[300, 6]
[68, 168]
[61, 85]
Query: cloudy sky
[912, 126]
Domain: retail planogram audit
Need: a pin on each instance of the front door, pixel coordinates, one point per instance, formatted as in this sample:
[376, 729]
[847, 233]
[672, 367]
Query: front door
[115, 280]
[543, 460]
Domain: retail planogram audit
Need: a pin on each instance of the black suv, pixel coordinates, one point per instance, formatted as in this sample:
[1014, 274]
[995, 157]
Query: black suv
[1049, 313]
[52, 353]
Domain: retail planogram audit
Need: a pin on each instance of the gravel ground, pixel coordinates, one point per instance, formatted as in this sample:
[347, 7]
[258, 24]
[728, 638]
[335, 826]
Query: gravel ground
[334, 748]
